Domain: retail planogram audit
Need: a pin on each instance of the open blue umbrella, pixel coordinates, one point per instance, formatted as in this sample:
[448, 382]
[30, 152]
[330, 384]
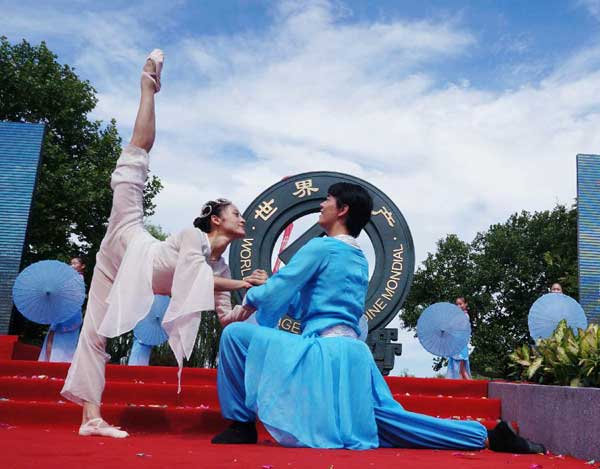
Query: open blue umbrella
[443, 329]
[49, 292]
[551, 308]
[149, 331]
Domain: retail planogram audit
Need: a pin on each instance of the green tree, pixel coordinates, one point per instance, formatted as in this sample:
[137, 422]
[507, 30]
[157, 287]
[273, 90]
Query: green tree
[501, 273]
[73, 198]
[156, 231]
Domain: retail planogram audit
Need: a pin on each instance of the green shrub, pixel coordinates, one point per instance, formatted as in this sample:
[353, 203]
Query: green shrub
[565, 358]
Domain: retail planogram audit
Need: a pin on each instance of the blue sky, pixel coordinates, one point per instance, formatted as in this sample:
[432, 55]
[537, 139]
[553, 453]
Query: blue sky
[462, 112]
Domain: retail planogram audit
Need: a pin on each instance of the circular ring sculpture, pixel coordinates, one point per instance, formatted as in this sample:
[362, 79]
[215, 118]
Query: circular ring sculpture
[294, 197]
[443, 329]
[49, 292]
[549, 310]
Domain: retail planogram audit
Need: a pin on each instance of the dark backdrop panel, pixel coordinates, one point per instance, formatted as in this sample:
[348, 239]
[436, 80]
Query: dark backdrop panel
[20, 153]
[588, 235]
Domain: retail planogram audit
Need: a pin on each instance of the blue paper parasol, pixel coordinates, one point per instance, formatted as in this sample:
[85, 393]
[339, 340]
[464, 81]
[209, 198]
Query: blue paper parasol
[549, 310]
[49, 292]
[443, 329]
[149, 331]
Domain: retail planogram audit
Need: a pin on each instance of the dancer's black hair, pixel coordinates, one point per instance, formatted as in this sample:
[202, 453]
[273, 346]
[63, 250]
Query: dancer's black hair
[212, 207]
[359, 202]
[80, 258]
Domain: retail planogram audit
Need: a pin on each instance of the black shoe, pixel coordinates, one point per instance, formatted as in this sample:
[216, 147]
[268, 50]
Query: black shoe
[504, 439]
[238, 433]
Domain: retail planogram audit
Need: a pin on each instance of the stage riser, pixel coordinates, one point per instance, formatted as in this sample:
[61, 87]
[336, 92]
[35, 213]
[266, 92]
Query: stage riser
[145, 399]
[119, 373]
[206, 395]
[198, 376]
[134, 418]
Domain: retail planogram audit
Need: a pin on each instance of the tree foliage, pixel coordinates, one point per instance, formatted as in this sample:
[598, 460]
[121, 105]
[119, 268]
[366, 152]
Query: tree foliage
[501, 273]
[156, 231]
[73, 197]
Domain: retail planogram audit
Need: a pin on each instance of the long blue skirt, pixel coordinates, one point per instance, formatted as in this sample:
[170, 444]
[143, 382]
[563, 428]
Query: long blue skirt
[453, 371]
[323, 393]
[63, 346]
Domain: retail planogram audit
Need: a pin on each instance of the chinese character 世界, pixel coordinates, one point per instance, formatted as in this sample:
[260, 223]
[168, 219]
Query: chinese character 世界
[304, 188]
[265, 210]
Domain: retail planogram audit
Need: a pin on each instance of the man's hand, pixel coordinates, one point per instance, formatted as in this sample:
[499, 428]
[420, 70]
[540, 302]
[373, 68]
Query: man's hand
[256, 278]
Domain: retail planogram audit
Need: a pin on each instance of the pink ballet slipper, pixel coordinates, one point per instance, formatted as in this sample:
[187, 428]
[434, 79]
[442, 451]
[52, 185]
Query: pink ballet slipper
[98, 427]
[158, 57]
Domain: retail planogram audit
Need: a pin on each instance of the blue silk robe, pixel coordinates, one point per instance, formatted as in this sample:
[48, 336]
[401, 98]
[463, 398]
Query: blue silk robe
[315, 391]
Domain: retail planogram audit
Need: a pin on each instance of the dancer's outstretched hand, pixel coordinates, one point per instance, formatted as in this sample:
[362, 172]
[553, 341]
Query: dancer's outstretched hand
[257, 277]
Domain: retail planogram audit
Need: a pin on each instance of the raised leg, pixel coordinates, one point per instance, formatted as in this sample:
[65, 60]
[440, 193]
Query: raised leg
[86, 378]
[144, 130]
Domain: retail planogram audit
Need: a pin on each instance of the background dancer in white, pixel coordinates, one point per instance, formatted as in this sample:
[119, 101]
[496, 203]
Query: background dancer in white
[132, 266]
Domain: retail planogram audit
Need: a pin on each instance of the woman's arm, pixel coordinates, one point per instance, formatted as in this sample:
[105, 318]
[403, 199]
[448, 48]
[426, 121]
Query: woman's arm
[226, 313]
[257, 278]
[228, 284]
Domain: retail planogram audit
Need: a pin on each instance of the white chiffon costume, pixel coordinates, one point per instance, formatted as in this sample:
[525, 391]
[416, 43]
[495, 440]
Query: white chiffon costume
[132, 266]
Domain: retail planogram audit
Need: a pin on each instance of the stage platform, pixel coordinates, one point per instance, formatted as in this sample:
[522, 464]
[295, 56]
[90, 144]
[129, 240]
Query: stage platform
[58, 447]
[38, 427]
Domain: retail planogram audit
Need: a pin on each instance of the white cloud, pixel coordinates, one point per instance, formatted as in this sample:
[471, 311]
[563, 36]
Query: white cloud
[592, 6]
[317, 91]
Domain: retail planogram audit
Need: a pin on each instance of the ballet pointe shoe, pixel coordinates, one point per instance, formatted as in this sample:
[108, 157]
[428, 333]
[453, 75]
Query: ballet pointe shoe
[158, 57]
[98, 427]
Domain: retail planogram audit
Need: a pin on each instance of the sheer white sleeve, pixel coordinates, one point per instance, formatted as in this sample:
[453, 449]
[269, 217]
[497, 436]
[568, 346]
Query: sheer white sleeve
[192, 292]
[226, 313]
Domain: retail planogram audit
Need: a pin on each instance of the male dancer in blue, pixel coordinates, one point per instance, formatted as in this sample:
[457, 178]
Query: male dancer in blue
[322, 389]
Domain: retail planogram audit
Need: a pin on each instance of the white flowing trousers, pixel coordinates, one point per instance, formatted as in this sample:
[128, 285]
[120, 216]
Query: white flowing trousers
[86, 378]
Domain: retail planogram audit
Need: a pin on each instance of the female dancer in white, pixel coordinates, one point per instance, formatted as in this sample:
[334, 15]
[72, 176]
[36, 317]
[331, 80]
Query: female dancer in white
[132, 266]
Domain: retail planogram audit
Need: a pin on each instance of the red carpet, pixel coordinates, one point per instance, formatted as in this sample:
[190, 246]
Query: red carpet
[37, 427]
[50, 447]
